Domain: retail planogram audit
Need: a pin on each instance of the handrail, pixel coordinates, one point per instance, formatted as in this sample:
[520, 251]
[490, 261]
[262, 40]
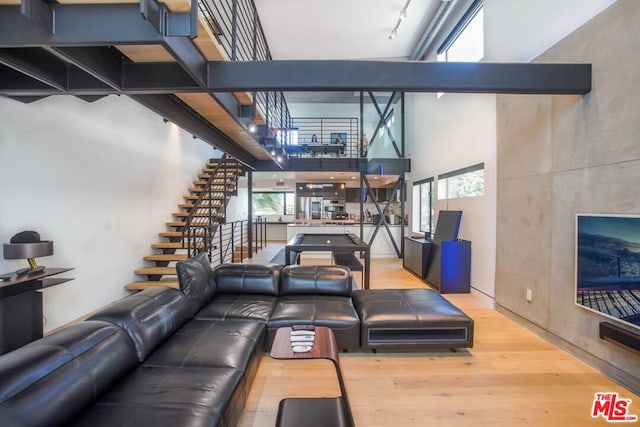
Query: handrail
[237, 28]
[208, 212]
[230, 242]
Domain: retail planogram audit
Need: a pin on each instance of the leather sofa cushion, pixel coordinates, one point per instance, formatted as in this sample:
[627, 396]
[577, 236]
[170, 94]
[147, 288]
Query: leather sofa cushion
[50, 381]
[337, 313]
[316, 280]
[195, 277]
[149, 317]
[247, 279]
[170, 397]
[204, 343]
[240, 306]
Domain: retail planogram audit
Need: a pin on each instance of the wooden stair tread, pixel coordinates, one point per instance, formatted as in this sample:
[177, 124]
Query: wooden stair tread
[169, 245]
[166, 257]
[165, 271]
[142, 285]
[215, 213]
[175, 224]
[204, 205]
[193, 197]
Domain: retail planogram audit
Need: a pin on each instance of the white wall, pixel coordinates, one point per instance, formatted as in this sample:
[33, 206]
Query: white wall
[100, 180]
[459, 130]
[450, 133]
[520, 30]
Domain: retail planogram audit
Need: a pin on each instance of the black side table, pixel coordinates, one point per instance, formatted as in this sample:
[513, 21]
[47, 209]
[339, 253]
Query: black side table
[21, 306]
[313, 412]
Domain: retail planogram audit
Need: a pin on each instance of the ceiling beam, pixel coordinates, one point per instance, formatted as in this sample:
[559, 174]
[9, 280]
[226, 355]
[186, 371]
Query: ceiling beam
[38, 65]
[171, 107]
[78, 25]
[405, 76]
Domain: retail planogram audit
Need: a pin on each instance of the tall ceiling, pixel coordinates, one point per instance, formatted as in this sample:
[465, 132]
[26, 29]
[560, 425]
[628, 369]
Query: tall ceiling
[343, 29]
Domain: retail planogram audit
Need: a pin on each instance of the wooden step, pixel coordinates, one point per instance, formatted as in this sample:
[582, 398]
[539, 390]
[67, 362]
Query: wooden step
[169, 245]
[175, 224]
[142, 285]
[163, 271]
[215, 189]
[194, 197]
[199, 214]
[166, 257]
[215, 205]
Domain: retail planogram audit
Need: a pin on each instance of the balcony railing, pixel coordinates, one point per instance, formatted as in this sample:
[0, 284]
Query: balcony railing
[236, 26]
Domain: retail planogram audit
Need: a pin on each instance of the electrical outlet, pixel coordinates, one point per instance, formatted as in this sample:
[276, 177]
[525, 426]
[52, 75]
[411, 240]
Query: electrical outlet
[529, 295]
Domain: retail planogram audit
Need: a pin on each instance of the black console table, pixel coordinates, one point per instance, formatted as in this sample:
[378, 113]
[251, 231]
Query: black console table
[21, 306]
[416, 256]
[450, 266]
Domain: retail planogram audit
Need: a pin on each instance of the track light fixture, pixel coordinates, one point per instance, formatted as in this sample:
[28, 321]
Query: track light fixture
[402, 17]
[164, 119]
[252, 128]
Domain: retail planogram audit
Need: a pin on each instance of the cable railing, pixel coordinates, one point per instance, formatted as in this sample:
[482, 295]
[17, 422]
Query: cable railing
[209, 209]
[230, 242]
[236, 26]
[325, 137]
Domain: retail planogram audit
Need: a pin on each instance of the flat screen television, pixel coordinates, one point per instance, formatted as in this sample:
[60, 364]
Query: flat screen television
[608, 265]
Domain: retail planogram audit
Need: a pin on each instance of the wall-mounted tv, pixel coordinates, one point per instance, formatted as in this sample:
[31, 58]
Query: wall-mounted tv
[608, 265]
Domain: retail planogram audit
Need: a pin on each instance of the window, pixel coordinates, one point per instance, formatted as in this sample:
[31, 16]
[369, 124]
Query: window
[423, 194]
[466, 41]
[273, 203]
[467, 182]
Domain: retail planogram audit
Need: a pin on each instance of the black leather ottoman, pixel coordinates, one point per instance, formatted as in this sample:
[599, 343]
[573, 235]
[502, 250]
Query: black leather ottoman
[402, 319]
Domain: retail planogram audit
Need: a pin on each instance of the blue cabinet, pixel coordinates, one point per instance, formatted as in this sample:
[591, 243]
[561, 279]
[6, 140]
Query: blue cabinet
[450, 266]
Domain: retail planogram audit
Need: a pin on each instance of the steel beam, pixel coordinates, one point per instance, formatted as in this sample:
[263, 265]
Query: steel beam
[189, 57]
[38, 65]
[179, 113]
[167, 77]
[78, 25]
[404, 76]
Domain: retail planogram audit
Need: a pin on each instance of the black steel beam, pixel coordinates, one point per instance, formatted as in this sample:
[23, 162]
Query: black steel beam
[99, 62]
[15, 83]
[189, 57]
[26, 99]
[167, 77]
[313, 165]
[37, 64]
[78, 25]
[172, 108]
[406, 76]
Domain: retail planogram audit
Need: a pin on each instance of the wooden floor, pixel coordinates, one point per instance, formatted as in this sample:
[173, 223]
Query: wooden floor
[510, 377]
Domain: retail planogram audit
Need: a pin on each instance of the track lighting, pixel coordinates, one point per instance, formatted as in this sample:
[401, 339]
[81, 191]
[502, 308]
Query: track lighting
[252, 128]
[402, 17]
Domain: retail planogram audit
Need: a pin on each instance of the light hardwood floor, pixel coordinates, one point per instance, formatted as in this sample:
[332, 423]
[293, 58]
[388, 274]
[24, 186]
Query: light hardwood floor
[510, 377]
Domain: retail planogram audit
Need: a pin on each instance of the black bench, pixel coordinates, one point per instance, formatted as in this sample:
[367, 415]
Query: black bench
[279, 258]
[348, 259]
[398, 319]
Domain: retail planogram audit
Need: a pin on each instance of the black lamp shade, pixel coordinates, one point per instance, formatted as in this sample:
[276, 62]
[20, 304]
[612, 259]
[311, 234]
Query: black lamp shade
[28, 250]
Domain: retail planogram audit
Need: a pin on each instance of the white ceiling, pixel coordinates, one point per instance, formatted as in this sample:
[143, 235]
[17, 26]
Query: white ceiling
[342, 29]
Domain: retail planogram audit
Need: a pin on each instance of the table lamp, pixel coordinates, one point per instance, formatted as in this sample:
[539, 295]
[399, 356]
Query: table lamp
[27, 245]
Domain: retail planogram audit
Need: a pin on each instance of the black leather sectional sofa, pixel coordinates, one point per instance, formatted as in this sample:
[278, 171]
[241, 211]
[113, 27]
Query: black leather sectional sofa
[168, 357]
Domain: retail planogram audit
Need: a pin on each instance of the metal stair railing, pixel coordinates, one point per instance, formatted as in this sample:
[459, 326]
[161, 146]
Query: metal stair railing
[209, 209]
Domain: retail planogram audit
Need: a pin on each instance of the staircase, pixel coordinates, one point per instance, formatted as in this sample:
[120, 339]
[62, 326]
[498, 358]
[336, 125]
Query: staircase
[194, 225]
